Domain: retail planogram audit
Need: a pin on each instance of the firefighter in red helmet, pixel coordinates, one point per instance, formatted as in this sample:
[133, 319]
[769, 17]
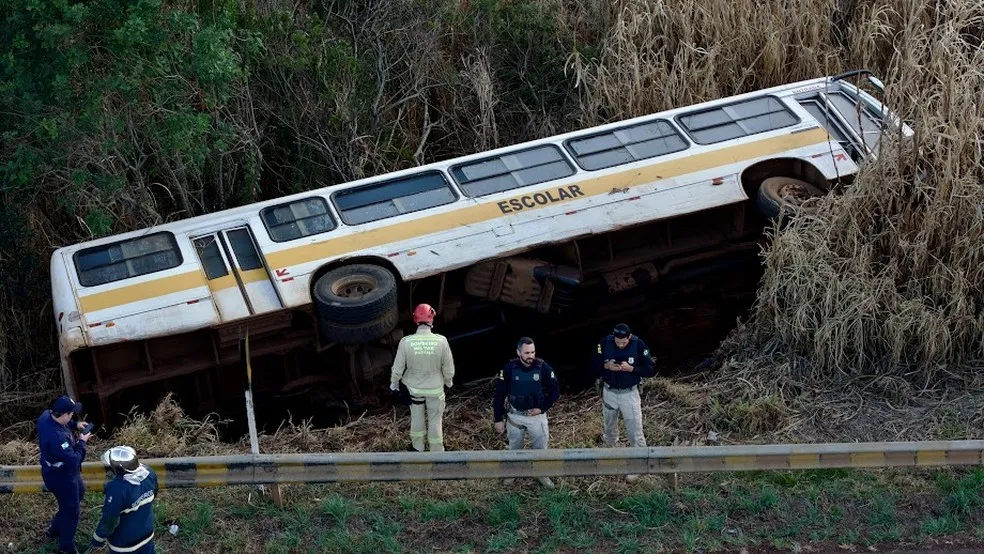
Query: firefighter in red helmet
[424, 364]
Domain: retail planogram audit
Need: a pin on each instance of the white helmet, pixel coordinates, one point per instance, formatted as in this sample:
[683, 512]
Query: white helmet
[121, 459]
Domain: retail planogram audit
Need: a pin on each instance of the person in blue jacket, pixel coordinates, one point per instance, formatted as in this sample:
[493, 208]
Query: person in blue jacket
[62, 455]
[621, 362]
[524, 390]
[127, 522]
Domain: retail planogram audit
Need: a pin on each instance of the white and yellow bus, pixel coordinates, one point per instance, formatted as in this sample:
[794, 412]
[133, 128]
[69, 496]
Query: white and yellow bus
[163, 308]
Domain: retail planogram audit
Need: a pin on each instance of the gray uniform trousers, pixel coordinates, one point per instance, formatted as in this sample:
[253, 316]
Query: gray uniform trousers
[628, 403]
[518, 425]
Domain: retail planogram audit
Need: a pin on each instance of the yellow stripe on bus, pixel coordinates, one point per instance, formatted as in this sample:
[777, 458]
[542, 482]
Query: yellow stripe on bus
[465, 216]
[254, 276]
[141, 291]
[229, 281]
[221, 283]
[589, 187]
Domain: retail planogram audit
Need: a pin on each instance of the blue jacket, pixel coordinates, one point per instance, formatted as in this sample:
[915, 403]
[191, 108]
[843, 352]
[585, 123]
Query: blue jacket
[128, 511]
[61, 453]
[636, 354]
[526, 387]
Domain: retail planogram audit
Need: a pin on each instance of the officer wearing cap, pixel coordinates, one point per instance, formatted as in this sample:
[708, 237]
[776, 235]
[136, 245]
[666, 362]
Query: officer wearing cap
[525, 388]
[62, 455]
[622, 360]
[127, 522]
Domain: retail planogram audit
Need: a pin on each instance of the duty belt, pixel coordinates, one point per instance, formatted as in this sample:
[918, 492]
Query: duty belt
[613, 389]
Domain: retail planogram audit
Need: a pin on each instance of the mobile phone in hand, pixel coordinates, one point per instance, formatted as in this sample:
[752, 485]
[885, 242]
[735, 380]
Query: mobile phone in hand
[88, 429]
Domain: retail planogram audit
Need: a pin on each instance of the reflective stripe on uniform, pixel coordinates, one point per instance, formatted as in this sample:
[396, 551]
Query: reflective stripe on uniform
[426, 392]
[133, 548]
[138, 505]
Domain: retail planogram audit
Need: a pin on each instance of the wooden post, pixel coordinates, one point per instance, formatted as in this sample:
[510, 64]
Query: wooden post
[254, 441]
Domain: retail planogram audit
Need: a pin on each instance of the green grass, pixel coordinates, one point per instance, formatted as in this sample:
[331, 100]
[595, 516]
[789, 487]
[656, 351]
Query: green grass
[502, 541]
[337, 508]
[504, 512]
[713, 513]
[652, 509]
[446, 510]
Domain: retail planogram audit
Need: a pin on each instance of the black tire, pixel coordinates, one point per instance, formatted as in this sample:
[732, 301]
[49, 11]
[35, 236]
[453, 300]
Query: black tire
[786, 195]
[361, 333]
[355, 294]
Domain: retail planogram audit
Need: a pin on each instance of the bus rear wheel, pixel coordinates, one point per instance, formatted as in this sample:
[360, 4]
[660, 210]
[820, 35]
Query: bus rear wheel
[356, 303]
[786, 195]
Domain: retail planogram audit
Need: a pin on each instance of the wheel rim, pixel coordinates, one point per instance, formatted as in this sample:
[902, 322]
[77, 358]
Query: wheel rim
[354, 287]
[795, 194]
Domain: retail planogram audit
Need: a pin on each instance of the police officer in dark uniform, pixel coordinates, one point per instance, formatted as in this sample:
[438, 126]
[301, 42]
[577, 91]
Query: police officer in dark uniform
[525, 388]
[127, 523]
[622, 361]
[62, 454]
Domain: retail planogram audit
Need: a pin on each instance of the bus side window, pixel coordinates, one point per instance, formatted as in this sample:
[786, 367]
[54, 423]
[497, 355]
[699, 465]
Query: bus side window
[626, 144]
[300, 218]
[392, 198]
[212, 262]
[859, 116]
[826, 118]
[740, 119]
[129, 258]
[511, 171]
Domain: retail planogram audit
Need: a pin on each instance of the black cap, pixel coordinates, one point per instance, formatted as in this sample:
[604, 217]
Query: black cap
[65, 405]
[621, 331]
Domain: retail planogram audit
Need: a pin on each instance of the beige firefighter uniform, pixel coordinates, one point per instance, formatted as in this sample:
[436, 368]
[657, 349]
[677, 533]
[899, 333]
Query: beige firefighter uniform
[423, 362]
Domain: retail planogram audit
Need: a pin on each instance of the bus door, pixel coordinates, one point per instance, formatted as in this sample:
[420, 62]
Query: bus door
[237, 273]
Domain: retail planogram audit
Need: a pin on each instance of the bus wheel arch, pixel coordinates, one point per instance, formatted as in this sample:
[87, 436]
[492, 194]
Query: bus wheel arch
[784, 185]
[356, 300]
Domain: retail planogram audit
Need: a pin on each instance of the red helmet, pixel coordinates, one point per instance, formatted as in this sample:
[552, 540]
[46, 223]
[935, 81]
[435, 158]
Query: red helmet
[424, 313]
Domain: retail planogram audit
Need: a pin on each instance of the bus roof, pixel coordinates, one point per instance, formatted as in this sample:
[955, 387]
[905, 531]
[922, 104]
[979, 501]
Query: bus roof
[248, 210]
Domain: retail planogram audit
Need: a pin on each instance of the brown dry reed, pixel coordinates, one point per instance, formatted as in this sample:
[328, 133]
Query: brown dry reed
[888, 279]
[882, 292]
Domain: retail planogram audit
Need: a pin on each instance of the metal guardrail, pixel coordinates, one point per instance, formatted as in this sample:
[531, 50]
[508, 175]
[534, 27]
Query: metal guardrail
[258, 469]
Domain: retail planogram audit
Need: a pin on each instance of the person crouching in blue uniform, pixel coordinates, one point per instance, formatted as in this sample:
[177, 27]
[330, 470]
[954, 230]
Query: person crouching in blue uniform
[62, 455]
[127, 522]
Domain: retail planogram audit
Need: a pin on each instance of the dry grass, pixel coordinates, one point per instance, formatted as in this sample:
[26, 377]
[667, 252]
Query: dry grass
[670, 53]
[675, 413]
[164, 432]
[889, 280]
[882, 294]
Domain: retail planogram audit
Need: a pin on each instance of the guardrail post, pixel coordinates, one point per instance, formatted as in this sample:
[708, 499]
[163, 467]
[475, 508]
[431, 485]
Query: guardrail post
[254, 441]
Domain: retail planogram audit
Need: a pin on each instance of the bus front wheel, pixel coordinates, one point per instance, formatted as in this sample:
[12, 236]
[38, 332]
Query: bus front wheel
[786, 195]
[356, 303]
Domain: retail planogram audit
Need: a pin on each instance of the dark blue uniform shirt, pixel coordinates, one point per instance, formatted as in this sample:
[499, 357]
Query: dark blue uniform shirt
[636, 354]
[61, 453]
[128, 511]
[530, 387]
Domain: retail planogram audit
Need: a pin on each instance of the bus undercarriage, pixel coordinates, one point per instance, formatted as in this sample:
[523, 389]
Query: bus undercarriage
[680, 283]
